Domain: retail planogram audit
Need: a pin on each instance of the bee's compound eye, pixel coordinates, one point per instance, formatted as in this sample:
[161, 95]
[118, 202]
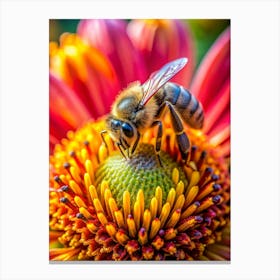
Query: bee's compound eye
[127, 130]
[115, 124]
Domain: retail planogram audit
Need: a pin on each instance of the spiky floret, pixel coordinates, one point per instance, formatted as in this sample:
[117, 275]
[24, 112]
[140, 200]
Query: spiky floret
[103, 207]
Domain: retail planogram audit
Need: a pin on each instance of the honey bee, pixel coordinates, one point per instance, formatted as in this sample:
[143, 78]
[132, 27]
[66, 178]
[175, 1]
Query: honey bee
[139, 107]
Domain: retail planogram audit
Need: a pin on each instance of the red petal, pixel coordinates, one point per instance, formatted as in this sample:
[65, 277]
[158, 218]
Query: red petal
[161, 41]
[216, 107]
[65, 103]
[67, 111]
[110, 37]
[213, 71]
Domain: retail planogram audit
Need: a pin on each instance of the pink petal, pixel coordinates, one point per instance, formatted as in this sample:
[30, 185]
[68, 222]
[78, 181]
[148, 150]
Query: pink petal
[213, 71]
[222, 126]
[67, 111]
[216, 107]
[65, 103]
[161, 41]
[110, 37]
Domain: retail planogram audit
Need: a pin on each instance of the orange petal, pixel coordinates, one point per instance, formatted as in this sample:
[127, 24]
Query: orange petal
[87, 72]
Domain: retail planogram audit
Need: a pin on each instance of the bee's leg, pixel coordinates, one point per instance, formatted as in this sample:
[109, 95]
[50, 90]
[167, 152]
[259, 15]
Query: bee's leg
[181, 136]
[121, 150]
[103, 140]
[125, 146]
[158, 139]
[135, 143]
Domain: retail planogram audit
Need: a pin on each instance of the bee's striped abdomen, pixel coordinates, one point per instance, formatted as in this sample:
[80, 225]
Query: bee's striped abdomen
[185, 103]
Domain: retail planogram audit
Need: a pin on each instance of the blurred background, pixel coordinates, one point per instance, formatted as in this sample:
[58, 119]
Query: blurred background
[205, 31]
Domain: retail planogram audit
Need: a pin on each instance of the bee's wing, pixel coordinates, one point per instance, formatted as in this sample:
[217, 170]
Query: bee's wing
[161, 77]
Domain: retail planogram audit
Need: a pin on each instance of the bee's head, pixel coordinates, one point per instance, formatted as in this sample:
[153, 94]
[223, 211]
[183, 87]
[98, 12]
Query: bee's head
[122, 132]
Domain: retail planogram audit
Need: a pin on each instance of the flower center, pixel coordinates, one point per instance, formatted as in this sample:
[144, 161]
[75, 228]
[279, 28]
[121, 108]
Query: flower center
[103, 206]
[142, 171]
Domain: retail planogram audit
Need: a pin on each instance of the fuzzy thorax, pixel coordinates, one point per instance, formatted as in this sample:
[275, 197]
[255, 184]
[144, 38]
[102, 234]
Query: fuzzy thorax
[126, 107]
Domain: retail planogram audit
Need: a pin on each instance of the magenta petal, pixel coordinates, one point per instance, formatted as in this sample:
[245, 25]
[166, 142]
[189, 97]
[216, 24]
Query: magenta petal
[66, 109]
[213, 71]
[110, 37]
[217, 107]
[161, 41]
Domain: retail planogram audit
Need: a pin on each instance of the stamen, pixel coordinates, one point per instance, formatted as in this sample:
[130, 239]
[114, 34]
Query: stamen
[164, 213]
[87, 181]
[75, 188]
[104, 186]
[193, 152]
[136, 214]
[85, 213]
[180, 188]
[190, 210]
[140, 200]
[207, 190]
[93, 192]
[207, 172]
[66, 165]
[121, 236]
[170, 248]
[207, 203]
[179, 203]
[89, 169]
[189, 222]
[75, 175]
[78, 162]
[84, 155]
[155, 226]
[174, 219]
[158, 242]
[102, 218]
[79, 202]
[111, 229]
[131, 226]
[153, 207]
[142, 236]
[58, 180]
[194, 180]
[158, 196]
[201, 160]
[66, 189]
[171, 197]
[146, 219]
[132, 246]
[148, 252]
[170, 233]
[92, 227]
[126, 204]
[102, 153]
[97, 205]
[81, 216]
[113, 207]
[119, 218]
[175, 176]
[67, 202]
[191, 196]
[107, 196]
